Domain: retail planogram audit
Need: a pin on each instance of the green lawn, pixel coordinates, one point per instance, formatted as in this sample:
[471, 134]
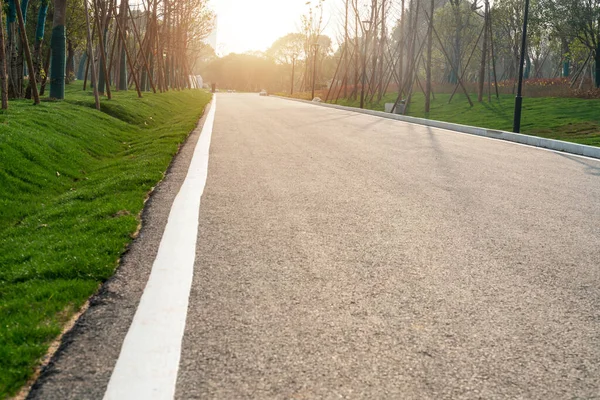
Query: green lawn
[72, 184]
[569, 119]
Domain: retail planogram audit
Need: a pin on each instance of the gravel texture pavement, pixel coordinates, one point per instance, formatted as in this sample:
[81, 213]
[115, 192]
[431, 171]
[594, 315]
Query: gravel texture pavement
[347, 256]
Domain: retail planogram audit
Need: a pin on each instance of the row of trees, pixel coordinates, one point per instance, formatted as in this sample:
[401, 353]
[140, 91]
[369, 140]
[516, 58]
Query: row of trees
[462, 45]
[150, 47]
[287, 65]
[455, 45]
[273, 69]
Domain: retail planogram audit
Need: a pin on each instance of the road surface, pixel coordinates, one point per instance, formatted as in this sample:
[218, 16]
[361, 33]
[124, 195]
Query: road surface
[341, 255]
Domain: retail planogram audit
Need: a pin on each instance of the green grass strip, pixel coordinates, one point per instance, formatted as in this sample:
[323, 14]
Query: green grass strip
[72, 184]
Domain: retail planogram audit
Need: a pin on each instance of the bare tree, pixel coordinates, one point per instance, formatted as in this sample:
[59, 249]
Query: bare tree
[3, 77]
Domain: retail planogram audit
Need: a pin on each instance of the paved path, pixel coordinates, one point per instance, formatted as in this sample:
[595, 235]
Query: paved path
[344, 255]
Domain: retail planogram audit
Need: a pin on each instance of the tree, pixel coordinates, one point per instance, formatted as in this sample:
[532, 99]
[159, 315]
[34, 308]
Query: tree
[102, 11]
[286, 51]
[3, 82]
[578, 20]
[244, 72]
[58, 47]
[40, 28]
[172, 29]
[459, 28]
[312, 28]
[199, 24]
[429, 59]
[288, 48]
[461, 18]
[123, 56]
[37, 44]
[75, 35]
[27, 53]
[203, 56]
[15, 72]
[507, 21]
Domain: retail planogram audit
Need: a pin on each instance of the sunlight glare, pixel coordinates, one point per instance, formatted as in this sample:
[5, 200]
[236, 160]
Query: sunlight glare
[254, 25]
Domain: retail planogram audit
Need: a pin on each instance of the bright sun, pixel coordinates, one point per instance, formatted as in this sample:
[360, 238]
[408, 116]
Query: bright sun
[254, 25]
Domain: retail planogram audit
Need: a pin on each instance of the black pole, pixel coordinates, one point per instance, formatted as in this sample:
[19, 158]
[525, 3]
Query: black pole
[314, 72]
[519, 98]
[364, 74]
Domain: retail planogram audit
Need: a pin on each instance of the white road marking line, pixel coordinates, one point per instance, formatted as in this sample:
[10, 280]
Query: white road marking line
[149, 360]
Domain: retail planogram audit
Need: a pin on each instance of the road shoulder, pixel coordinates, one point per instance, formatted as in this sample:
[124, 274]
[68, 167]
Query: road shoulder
[83, 364]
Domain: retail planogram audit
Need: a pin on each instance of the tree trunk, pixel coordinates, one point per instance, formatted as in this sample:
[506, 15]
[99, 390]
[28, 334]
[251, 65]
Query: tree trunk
[70, 68]
[123, 56]
[129, 60]
[15, 75]
[382, 47]
[429, 53]
[101, 76]
[39, 33]
[46, 68]
[104, 74]
[122, 68]
[90, 50]
[58, 46]
[37, 46]
[374, 20]
[100, 24]
[484, 52]
[11, 18]
[27, 51]
[293, 70]
[401, 53]
[356, 53]
[567, 59]
[597, 66]
[457, 44]
[346, 39]
[3, 78]
[81, 68]
[24, 5]
[21, 69]
[146, 79]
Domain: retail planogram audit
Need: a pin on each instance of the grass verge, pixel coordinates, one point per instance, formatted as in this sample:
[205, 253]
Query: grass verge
[569, 119]
[73, 182]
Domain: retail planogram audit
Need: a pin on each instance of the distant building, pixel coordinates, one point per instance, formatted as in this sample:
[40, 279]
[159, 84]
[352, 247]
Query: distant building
[199, 81]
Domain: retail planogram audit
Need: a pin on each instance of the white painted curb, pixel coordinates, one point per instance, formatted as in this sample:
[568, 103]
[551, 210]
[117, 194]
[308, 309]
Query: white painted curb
[557, 145]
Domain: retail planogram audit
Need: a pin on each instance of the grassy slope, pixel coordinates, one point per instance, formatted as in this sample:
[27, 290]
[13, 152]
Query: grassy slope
[73, 181]
[569, 119]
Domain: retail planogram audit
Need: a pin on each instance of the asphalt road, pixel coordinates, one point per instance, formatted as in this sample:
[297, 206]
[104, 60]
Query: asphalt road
[342, 255]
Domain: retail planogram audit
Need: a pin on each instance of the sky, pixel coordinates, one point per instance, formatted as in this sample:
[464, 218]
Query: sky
[245, 25]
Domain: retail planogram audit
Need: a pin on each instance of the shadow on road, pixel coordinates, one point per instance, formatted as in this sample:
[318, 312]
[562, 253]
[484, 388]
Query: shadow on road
[591, 167]
[317, 122]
